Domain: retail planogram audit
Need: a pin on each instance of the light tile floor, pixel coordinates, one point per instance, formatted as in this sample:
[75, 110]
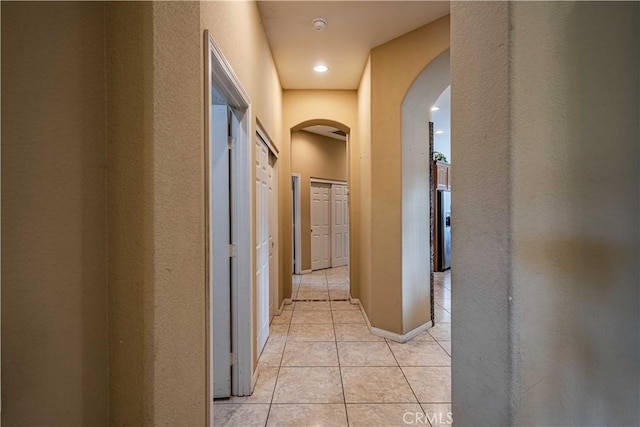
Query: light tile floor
[321, 285]
[322, 367]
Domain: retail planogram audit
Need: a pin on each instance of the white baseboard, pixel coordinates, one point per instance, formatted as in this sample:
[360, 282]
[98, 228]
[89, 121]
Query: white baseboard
[392, 335]
[286, 301]
[306, 271]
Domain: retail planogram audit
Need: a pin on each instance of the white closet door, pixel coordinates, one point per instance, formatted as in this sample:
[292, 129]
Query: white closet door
[340, 225]
[320, 226]
[262, 241]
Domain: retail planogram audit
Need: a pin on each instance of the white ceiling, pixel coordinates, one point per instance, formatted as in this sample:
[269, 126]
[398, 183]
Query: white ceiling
[442, 118]
[353, 29]
[442, 122]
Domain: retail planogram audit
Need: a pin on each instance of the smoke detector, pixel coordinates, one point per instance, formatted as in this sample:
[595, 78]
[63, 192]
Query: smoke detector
[319, 24]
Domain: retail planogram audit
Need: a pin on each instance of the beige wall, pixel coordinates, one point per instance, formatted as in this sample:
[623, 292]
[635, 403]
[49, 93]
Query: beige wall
[156, 146]
[545, 244]
[179, 360]
[315, 156]
[584, 233]
[480, 238]
[130, 210]
[54, 251]
[394, 67]
[157, 314]
[340, 108]
[363, 158]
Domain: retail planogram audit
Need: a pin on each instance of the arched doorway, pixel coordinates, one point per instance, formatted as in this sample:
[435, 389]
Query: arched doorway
[320, 211]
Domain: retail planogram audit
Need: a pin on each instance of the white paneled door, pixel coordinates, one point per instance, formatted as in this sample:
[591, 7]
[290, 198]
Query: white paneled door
[262, 240]
[339, 225]
[320, 226]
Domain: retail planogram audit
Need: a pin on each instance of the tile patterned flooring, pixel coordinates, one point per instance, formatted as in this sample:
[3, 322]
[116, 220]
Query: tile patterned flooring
[322, 367]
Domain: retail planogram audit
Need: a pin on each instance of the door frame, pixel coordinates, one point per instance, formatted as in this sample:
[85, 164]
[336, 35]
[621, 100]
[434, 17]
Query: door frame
[296, 180]
[218, 73]
[329, 181]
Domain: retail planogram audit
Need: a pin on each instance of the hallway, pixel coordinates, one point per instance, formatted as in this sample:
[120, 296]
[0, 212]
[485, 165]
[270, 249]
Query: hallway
[321, 365]
[330, 284]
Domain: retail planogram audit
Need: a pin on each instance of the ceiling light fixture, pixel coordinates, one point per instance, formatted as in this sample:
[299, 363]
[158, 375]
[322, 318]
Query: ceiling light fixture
[439, 132]
[319, 24]
[320, 68]
[434, 108]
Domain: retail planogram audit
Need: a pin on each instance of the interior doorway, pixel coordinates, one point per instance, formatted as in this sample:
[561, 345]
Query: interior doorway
[320, 211]
[228, 190]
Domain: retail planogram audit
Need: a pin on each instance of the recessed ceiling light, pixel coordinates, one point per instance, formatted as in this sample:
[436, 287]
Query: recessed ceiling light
[434, 108]
[320, 68]
[438, 132]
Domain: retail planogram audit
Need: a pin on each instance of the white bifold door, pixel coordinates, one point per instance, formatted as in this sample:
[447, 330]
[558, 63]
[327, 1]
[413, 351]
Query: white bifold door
[339, 225]
[320, 226]
[262, 241]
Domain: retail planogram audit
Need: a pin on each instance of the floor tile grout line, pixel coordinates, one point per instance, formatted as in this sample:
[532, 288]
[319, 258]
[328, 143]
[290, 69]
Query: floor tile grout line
[404, 376]
[344, 396]
[442, 347]
[275, 385]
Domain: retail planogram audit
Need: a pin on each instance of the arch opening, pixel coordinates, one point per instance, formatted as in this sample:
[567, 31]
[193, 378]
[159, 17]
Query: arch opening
[418, 198]
[320, 210]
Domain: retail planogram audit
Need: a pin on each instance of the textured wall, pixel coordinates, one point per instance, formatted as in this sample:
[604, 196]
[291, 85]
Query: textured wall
[394, 67]
[130, 209]
[54, 287]
[315, 156]
[179, 380]
[363, 158]
[545, 248]
[480, 239]
[575, 209]
[156, 216]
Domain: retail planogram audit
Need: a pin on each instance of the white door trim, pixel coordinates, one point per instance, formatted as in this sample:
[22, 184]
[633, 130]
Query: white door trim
[265, 138]
[218, 72]
[297, 231]
[329, 181]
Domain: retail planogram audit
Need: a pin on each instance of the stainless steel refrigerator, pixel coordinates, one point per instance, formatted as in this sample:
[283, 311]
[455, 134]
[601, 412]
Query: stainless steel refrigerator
[444, 230]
